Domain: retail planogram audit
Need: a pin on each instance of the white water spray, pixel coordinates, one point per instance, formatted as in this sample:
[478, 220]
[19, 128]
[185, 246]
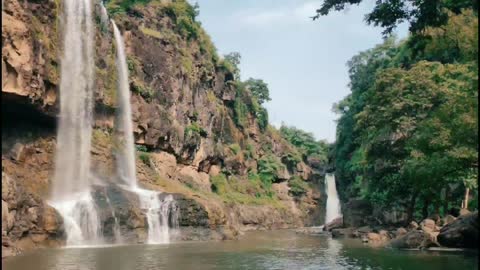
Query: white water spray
[71, 182]
[157, 211]
[333, 203]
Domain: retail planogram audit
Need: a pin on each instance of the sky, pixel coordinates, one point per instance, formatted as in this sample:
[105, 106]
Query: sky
[302, 61]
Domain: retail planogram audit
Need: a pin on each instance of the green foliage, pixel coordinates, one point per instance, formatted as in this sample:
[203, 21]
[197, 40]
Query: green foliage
[231, 62]
[145, 158]
[306, 143]
[122, 6]
[235, 148]
[410, 126]
[144, 91]
[184, 15]
[243, 191]
[268, 167]
[194, 129]
[259, 89]
[219, 183]
[388, 14]
[298, 187]
[141, 148]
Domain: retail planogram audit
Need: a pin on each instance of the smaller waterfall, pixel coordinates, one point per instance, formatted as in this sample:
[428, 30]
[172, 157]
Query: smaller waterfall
[161, 214]
[103, 15]
[158, 212]
[116, 226]
[333, 203]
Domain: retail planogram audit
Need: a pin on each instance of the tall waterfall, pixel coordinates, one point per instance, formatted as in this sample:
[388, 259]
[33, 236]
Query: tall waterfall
[333, 203]
[71, 182]
[157, 211]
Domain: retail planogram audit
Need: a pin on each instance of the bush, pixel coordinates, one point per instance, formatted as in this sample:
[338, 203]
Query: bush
[219, 184]
[235, 148]
[298, 187]
[145, 158]
[195, 128]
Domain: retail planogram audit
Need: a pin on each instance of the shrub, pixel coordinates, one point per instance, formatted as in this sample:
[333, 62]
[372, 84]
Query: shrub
[195, 128]
[235, 148]
[219, 184]
[145, 158]
[298, 187]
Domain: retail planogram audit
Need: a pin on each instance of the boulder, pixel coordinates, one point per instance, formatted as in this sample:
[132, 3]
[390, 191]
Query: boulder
[343, 233]
[461, 233]
[413, 225]
[464, 212]
[448, 219]
[336, 223]
[400, 231]
[413, 240]
[427, 224]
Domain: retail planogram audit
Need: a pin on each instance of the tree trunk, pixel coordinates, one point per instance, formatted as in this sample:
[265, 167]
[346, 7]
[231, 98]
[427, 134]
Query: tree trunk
[465, 204]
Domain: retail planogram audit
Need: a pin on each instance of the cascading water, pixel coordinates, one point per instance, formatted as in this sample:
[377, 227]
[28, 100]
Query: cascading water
[333, 203]
[157, 211]
[71, 194]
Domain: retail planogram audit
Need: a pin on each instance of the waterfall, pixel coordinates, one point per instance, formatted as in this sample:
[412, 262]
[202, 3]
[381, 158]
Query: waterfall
[333, 203]
[71, 194]
[103, 15]
[157, 211]
[116, 226]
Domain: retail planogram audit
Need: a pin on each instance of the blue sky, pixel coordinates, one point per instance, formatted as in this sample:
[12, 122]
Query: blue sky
[303, 62]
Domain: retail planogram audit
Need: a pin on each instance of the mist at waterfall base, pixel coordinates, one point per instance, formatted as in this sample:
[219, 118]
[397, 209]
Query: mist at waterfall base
[333, 209]
[73, 181]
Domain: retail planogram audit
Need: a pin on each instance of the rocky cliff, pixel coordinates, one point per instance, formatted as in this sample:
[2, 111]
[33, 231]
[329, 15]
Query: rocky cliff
[198, 134]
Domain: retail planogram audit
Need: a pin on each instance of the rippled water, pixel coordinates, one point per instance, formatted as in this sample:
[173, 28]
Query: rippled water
[258, 250]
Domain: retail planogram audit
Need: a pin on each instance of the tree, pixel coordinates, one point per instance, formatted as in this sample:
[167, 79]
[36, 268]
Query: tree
[233, 59]
[259, 89]
[389, 13]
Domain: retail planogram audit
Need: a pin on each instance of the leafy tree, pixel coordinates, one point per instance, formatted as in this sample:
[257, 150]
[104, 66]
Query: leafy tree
[259, 89]
[308, 146]
[233, 59]
[389, 13]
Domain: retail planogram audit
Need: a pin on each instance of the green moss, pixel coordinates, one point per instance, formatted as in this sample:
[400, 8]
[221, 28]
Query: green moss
[145, 158]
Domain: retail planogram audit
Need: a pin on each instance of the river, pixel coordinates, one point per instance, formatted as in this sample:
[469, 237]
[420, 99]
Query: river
[256, 250]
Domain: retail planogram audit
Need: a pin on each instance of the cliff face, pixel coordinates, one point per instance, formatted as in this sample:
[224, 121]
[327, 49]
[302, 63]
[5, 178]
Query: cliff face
[198, 134]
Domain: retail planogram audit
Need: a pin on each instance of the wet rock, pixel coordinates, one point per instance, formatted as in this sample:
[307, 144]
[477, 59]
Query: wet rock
[336, 223]
[413, 240]
[343, 233]
[461, 233]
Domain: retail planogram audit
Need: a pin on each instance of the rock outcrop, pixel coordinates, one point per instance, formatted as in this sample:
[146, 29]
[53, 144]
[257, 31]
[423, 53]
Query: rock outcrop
[187, 126]
[461, 233]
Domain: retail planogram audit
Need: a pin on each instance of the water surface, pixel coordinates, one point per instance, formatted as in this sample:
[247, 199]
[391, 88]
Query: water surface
[257, 250]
